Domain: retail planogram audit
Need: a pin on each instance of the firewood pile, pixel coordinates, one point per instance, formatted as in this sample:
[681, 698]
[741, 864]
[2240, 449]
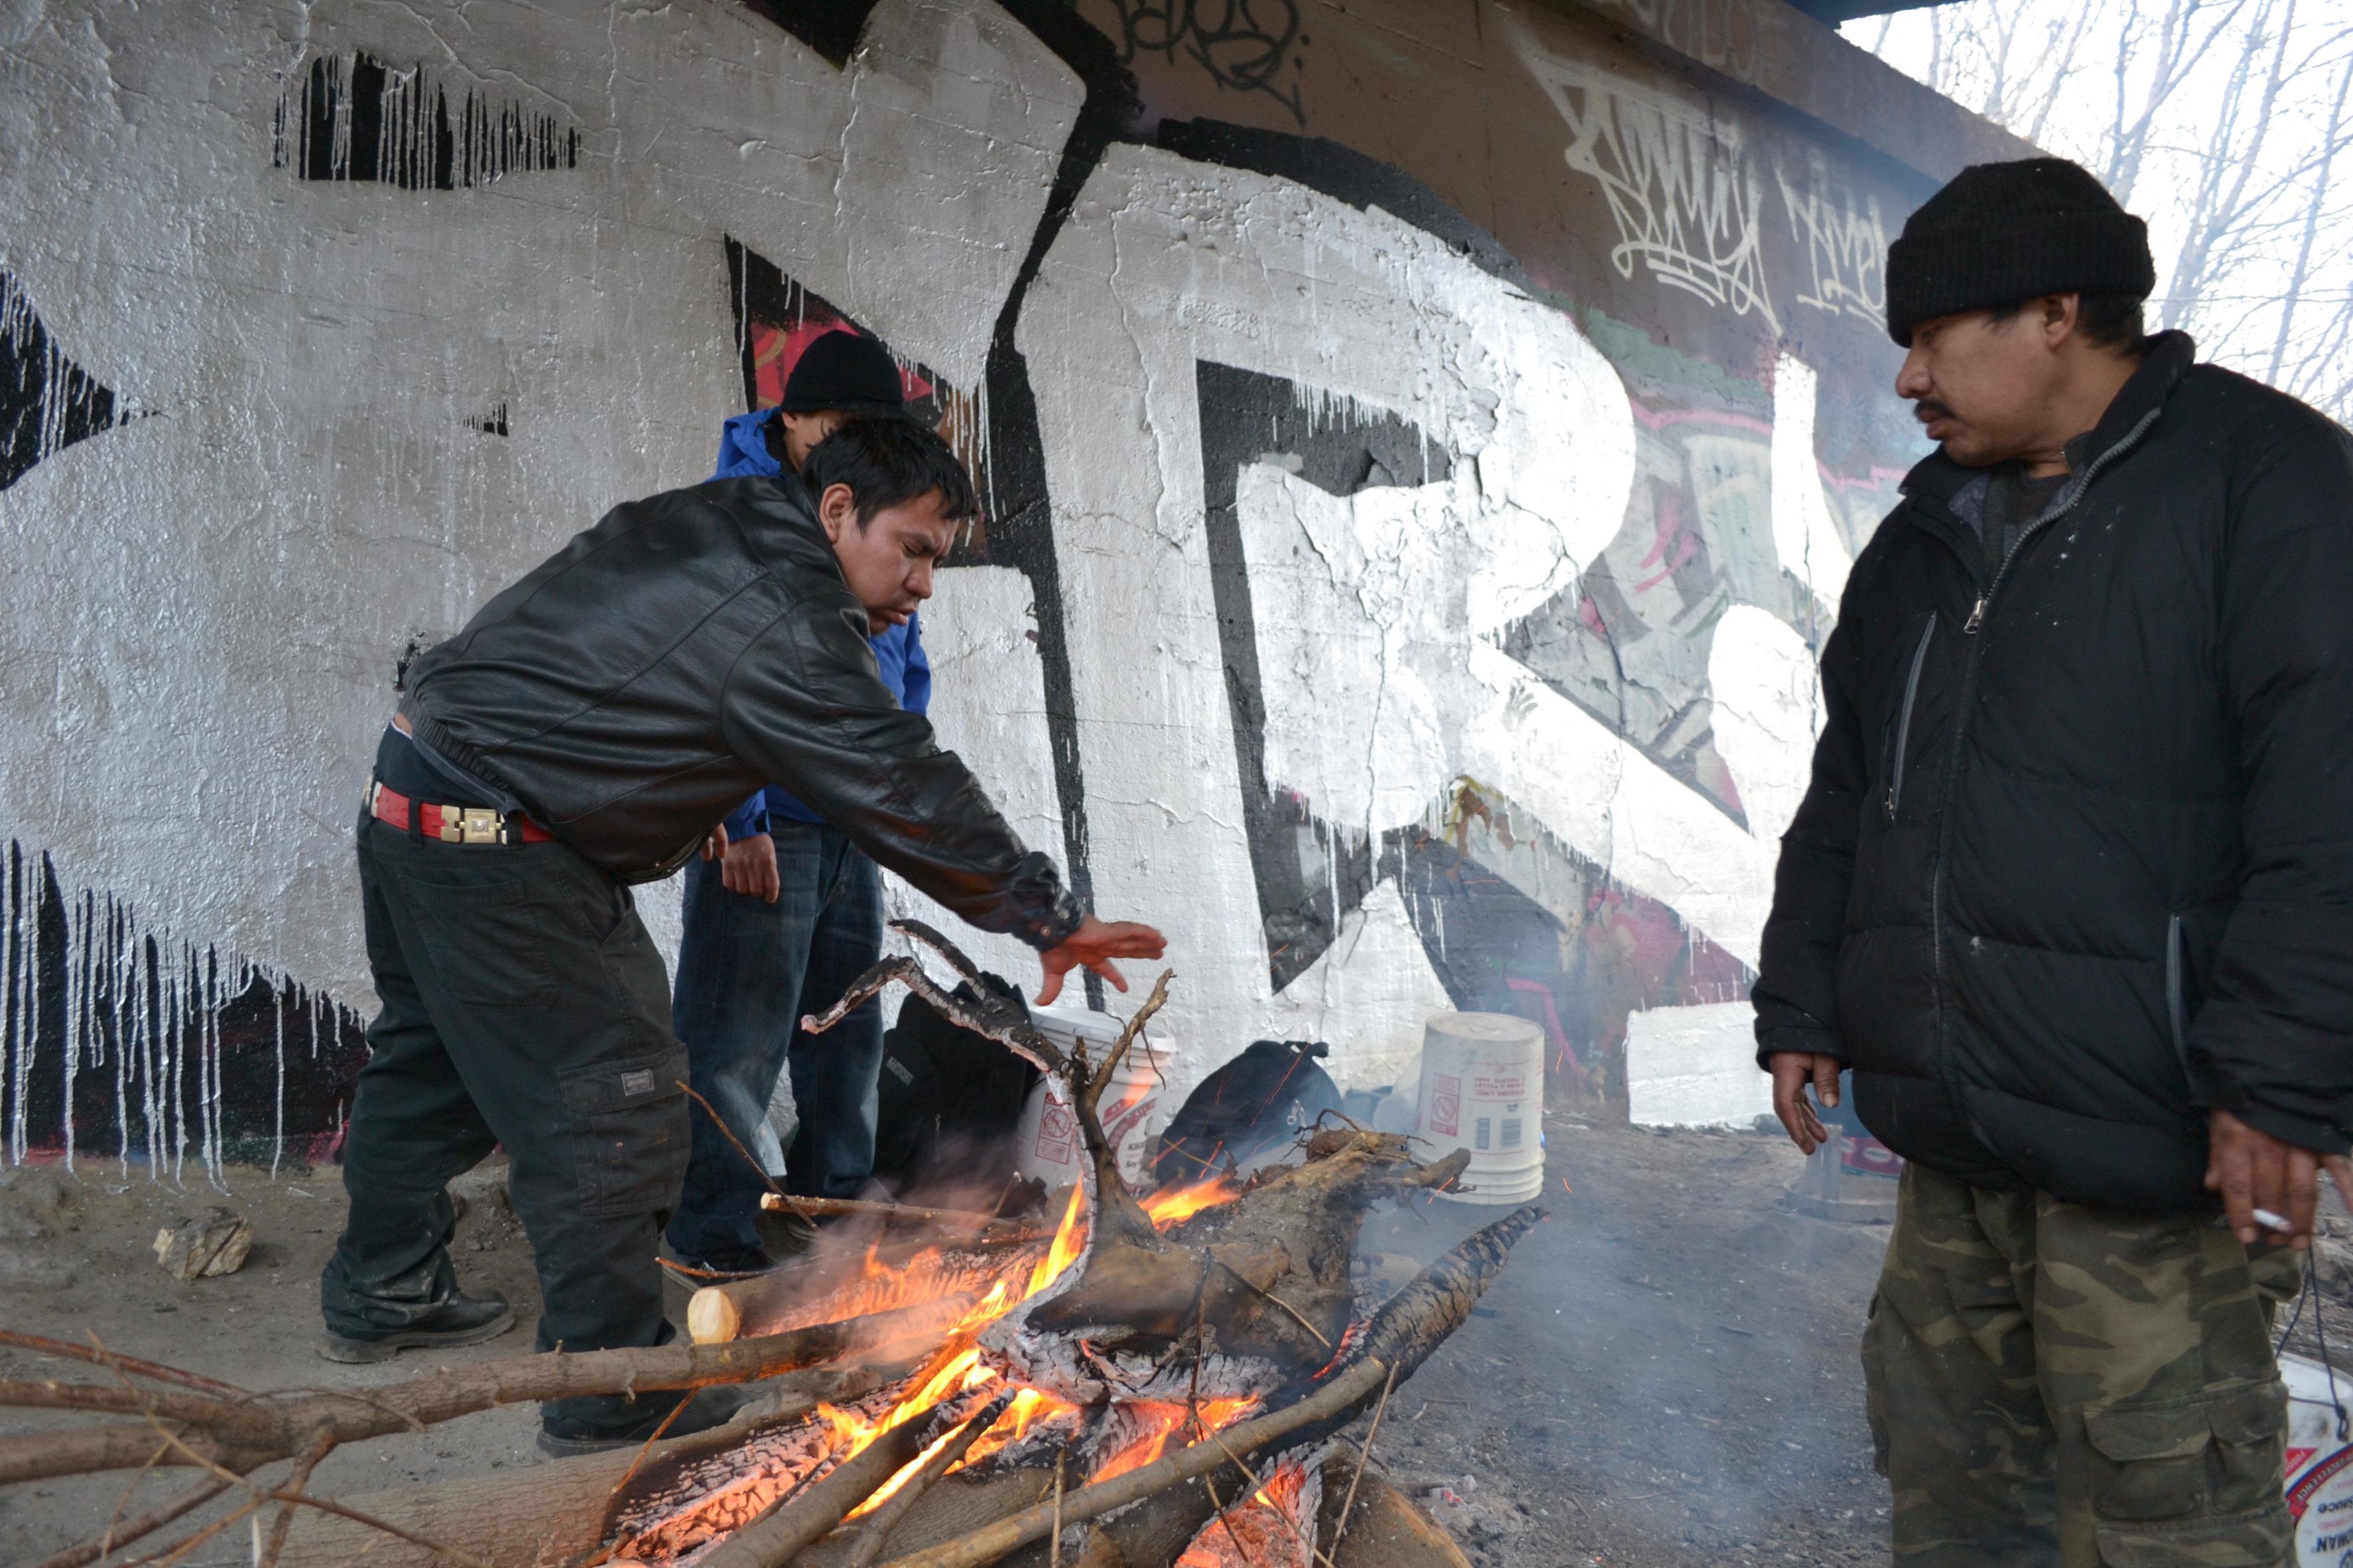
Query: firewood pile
[1156, 1382]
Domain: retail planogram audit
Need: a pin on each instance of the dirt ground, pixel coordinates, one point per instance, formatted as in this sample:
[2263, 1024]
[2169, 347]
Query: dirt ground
[1664, 1375]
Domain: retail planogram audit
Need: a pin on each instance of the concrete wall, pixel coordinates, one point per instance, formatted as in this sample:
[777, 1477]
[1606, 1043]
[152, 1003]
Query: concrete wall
[1423, 441]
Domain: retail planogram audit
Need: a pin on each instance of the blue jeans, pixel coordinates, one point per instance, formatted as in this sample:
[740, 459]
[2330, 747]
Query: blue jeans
[747, 970]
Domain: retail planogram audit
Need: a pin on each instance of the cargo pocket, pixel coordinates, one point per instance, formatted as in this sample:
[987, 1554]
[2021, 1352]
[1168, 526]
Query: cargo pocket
[629, 1127]
[2191, 1483]
[485, 942]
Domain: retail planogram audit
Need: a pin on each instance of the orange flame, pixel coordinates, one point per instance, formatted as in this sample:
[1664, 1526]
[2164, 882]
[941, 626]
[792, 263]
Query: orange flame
[1069, 1240]
[1180, 1204]
[1160, 1421]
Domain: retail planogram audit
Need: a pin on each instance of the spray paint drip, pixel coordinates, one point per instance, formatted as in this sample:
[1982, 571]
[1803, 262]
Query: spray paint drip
[363, 119]
[122, 1043]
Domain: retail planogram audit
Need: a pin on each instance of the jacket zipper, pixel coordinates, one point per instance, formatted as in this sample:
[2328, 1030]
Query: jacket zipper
[2177, 1014]
[1904, 722]
[1960, 729]
[2131, 440]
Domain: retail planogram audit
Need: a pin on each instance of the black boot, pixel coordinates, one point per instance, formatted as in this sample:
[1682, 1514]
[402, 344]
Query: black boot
[461, 1321]
[708, 1408]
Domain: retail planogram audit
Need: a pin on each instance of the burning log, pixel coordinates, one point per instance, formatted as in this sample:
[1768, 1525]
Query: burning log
[770, 1540]
[867, 1544]
[550, 1514]
[1269, 1526]
[851, 1280]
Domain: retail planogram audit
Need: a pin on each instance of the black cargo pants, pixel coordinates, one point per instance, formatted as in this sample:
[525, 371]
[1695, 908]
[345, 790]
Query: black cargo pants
[523, 1004]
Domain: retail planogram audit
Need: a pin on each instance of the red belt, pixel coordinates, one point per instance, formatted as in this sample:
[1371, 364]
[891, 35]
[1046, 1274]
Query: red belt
[455, 824]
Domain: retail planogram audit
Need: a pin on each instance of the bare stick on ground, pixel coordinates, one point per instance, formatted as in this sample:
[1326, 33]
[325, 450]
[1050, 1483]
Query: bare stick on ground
[242, 1438]
[42, 1345]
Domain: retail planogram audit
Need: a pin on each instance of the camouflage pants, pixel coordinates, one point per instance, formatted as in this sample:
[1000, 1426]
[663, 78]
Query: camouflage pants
[2064, 1386]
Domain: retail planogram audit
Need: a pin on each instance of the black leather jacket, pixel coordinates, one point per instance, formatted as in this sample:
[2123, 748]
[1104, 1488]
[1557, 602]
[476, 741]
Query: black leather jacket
[2076, 865]
[690, 648]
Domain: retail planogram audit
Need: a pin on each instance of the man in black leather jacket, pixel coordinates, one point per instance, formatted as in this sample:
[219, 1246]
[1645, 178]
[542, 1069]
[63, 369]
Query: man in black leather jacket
[2071, 893]
[584, 733]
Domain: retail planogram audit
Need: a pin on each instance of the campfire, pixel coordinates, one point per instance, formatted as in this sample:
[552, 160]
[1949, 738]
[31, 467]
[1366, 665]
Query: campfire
[1154, 1381]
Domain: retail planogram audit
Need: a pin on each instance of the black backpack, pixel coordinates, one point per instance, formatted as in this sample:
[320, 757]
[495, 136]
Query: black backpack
[1248, 1111]
[948, 1104]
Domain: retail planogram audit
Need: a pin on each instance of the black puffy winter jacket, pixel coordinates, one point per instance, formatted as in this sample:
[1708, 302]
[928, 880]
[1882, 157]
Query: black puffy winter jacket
[2076, 862]
[690, 648]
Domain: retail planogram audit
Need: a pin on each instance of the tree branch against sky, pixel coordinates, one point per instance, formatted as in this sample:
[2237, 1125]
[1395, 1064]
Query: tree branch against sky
[2221, 122]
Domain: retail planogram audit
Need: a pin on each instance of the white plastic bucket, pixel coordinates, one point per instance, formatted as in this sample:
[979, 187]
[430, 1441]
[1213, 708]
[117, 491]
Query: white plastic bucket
[1482, 1090]
[2319, 1463]
[1047, 1146]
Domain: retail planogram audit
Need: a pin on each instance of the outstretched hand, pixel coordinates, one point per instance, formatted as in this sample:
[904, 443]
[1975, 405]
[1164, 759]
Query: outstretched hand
[1792, 1071]
[1094, 946]
[2256, 1172]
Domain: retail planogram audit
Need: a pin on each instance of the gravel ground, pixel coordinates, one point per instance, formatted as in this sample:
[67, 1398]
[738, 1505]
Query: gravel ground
[1665, 1373]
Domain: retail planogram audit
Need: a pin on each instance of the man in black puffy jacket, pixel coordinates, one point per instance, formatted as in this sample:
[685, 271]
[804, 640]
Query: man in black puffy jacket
[585, 732]
[2071, 895]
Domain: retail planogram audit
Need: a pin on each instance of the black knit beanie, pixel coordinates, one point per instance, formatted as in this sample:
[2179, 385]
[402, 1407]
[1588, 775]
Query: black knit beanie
[842, 370]
[2003, 233]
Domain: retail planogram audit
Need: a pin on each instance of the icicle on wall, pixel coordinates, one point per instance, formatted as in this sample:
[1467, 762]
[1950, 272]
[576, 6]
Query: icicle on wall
[124, 1045]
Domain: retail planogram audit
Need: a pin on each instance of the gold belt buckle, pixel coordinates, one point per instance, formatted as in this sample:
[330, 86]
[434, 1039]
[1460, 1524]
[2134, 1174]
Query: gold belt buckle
[480, 824]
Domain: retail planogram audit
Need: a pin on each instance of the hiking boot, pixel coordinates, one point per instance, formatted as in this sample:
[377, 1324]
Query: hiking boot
[710, 1407]
[462, 1319]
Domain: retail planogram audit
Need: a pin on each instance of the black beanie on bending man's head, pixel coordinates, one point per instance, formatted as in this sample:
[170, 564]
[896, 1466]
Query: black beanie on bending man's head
[2002, 233]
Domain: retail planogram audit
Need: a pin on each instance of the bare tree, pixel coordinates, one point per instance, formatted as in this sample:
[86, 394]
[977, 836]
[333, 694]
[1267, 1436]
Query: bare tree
[2220, 121]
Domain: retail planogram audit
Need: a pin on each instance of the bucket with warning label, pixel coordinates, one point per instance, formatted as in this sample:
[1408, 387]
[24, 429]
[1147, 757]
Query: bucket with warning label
[1047, 1145]
[1482, 1090]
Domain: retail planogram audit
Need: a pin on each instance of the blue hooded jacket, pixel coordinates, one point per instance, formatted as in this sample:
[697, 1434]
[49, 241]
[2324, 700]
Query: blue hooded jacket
[898, 650]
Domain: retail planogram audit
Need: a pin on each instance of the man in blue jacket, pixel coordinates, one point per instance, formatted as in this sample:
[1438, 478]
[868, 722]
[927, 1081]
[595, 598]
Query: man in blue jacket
[783, 911]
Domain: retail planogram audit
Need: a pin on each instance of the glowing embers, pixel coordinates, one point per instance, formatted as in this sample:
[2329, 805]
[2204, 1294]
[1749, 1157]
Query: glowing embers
[1274, 1527]
[713, 1495]
[1135, 1431]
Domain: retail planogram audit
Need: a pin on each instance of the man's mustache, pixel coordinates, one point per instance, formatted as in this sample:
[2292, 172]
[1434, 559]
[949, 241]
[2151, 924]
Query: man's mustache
[1928, 408]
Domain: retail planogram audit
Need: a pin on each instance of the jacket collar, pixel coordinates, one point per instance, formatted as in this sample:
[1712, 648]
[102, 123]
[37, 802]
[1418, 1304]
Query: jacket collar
[1937, 479]
[775, 512]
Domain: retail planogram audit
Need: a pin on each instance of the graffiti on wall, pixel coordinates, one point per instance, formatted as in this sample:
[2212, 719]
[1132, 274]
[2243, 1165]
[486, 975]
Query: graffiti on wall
[1242, 45]
[1689, 206]
[47, 402]
[1394, 635]
[1845, 243]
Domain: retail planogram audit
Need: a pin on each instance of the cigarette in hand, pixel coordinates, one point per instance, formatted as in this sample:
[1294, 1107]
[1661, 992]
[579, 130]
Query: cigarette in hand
[2276, 1223]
